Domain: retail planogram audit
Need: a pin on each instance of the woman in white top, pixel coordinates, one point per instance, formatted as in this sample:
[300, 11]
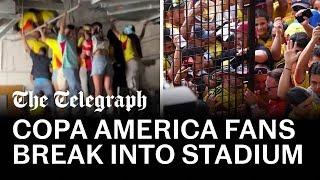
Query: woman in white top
[102, 71]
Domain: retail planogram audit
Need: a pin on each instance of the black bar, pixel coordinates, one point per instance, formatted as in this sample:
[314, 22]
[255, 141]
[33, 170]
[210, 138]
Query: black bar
[252, 44]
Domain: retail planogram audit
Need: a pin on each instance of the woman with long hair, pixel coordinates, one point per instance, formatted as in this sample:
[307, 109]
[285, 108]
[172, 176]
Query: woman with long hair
[102, 71]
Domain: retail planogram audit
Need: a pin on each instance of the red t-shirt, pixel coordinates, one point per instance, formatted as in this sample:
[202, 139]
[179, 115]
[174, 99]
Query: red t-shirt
[87, 46]
[276, 108]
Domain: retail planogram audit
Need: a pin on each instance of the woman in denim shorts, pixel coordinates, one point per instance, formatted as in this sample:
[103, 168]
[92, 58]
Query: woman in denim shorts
[102, 70]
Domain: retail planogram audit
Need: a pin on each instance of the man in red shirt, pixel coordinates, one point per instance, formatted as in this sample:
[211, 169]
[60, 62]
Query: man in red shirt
[276, 107]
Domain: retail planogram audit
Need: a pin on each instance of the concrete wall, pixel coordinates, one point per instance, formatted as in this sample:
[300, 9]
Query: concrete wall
[15, 64]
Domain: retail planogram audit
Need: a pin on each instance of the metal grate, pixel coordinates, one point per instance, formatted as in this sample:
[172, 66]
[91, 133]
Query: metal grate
[203, 43]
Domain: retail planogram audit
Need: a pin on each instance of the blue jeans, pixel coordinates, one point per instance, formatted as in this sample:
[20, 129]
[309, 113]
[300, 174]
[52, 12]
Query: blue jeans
[44, 85]
[74, 84]
[73, 80]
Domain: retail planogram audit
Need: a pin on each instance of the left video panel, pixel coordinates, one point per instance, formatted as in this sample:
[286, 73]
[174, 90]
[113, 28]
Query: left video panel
[79, 58]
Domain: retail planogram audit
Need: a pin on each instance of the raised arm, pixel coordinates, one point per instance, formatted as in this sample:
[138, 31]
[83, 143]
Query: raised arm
[43, 36]
[62, 23]
[180, 74]
[177, 57]
[305, 56]
[143, 30]
[252, 100]
[305, 24]
[25, 44]
[290, 56]
[269, 4]
[283, 5]
[188, 23]
[276, 44]
[307, 27]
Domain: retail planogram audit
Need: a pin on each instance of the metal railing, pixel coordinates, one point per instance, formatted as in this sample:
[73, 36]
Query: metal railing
[205, 49]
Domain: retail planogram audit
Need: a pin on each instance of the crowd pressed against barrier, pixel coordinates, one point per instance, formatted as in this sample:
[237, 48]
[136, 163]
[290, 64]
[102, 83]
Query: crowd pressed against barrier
[206, 48]
[66, 57]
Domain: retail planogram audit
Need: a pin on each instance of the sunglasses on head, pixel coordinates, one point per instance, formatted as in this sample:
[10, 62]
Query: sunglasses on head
[260, 70]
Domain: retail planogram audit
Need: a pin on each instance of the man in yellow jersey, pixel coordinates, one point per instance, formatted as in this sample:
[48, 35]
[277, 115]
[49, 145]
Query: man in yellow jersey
[131, 58]
[301, 76]
[35, 43]
[291, 56]
[309, 54]
[227, 98]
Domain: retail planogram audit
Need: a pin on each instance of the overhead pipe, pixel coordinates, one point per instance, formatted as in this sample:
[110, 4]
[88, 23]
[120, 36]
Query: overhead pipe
[134, 10]
[152, 17]
[7, 27]
[55, 19]
[107, 5]
[43, 5]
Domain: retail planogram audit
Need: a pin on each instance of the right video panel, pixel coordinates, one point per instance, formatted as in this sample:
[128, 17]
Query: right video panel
[240, 58]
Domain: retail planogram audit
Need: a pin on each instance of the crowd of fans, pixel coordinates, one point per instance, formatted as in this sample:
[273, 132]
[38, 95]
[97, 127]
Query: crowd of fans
[207, 48]
[80, 59]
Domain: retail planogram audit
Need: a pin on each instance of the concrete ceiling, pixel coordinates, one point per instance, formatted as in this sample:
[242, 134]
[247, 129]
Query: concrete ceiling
[129, 10]
[133, 10]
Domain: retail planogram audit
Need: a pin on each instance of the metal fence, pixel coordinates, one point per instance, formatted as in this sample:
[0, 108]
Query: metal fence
[209, 47]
